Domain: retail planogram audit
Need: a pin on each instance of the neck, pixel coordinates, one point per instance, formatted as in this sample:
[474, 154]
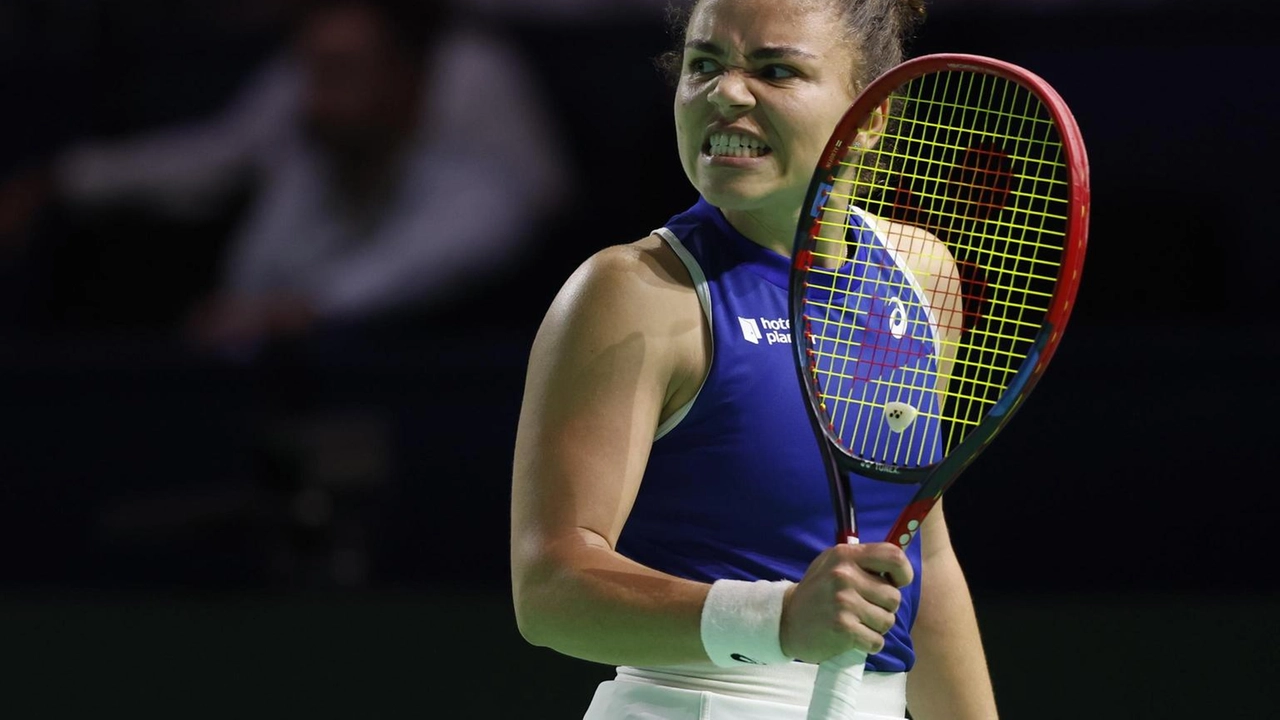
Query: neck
[773, 232]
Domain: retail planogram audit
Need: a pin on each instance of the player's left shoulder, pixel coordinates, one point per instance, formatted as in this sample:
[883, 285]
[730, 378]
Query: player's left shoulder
[926, 255]
[932, 265]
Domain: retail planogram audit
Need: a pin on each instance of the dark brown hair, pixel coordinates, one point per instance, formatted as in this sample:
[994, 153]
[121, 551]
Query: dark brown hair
[880, 31]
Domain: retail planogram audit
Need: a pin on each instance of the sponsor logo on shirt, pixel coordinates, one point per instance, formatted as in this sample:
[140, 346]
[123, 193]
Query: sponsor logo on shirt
[775, 331]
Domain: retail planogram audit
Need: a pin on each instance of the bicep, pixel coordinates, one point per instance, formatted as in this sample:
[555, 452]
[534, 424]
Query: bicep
[935, 538]
[595, 389]
[942, 581]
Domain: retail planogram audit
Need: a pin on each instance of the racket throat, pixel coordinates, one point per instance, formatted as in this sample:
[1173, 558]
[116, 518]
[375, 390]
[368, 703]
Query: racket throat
[842, 502]
[847, 532]
[908, 524]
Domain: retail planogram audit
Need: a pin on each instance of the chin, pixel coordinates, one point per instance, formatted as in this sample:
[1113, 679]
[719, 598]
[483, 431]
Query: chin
[749, 196]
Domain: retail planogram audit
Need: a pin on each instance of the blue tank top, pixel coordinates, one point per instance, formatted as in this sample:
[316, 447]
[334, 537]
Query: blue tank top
[735, 485]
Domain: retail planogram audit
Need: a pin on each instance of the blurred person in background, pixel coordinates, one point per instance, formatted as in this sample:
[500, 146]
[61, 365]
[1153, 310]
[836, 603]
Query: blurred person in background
[570, 11]
[396, 158]
[372, 143]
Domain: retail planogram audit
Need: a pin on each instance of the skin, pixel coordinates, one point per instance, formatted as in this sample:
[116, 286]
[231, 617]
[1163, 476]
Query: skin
[625, 345]
[785, 80]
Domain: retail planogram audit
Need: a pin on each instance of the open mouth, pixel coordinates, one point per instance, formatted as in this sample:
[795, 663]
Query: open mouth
[735, 145]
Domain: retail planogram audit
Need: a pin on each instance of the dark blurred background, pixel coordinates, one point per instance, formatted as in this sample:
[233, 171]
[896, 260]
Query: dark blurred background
[239, 474]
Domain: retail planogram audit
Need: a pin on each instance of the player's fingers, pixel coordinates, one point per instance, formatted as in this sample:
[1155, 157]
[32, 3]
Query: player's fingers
[858, 589]
[877, 614]
[882, 559]
[900, 574]
[884, 597]
[865, 629]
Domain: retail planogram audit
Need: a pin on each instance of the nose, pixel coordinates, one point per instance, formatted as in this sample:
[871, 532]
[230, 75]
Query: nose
[731, 94]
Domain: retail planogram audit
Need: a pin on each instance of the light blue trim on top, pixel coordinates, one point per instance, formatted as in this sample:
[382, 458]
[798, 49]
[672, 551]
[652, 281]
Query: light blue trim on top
[704, 299]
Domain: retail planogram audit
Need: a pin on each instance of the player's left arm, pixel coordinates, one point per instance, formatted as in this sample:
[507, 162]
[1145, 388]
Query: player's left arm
[950, 680]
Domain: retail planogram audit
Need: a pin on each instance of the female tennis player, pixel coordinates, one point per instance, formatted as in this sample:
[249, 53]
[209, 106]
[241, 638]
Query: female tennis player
[670, 512]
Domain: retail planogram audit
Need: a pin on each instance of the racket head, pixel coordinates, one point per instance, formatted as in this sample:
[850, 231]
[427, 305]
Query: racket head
[971, 162]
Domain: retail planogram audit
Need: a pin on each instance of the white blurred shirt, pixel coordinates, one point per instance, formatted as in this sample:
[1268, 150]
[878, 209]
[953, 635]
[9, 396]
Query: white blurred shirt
[485, 169]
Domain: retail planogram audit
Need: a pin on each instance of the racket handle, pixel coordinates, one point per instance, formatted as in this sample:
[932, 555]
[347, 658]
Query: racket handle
[835, 690]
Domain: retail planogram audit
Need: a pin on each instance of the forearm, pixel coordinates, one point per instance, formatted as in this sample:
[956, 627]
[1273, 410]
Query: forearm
[582, 599]
[178, 171]
[442, 239]
[187, 168]
[950, 680]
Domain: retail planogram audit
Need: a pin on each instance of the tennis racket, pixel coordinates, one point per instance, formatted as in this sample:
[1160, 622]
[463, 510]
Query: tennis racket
[934, 268]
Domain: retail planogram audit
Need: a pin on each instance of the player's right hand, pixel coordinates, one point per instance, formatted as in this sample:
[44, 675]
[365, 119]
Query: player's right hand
[846, 600]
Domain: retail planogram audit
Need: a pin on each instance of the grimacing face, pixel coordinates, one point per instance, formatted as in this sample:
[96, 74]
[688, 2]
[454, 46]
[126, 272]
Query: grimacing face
[762, 85]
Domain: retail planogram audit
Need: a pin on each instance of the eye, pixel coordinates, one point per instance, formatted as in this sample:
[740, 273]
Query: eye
[702, 66]
[777, 72]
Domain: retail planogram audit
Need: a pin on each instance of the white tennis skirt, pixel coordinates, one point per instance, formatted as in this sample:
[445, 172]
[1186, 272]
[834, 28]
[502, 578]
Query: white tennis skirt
[705, 692]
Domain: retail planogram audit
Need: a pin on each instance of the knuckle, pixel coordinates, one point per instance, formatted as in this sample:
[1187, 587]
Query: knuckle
[886, 623]
[887, 598]
[891, 553]
[845, 576]
[884, 550]
[846, 624]
[846, 600]
[845, 551]
[873, 644]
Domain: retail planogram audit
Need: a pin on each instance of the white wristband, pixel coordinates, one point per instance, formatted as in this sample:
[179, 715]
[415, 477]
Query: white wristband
[741, 622]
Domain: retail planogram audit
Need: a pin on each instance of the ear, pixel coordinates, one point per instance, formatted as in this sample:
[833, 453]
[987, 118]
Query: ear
[873, 129]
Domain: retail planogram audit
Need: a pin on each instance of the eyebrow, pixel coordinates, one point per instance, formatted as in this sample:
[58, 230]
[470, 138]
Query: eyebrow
[768, 52]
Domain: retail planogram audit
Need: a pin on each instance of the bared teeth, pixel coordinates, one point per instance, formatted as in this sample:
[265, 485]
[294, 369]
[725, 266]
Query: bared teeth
[735, 145]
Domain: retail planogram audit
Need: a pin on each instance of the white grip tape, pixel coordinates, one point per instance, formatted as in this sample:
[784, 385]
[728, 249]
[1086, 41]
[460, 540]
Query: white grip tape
[741, 621]
[835, 689]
